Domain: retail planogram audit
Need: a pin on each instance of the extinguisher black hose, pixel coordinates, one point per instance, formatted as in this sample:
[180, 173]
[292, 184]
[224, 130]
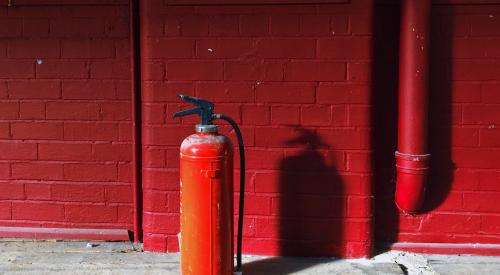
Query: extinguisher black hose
[241, 147]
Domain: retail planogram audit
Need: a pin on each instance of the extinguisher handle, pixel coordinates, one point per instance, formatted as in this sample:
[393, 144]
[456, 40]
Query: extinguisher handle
[193, 111]
[202, 103]
[203, 108]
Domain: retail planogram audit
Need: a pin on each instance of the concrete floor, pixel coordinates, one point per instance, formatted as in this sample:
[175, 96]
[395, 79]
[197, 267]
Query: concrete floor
[55, 257]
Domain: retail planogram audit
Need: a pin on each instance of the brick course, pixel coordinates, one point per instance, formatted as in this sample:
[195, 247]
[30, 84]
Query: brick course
[313, 87]
[282, 72]
[61, 86]
[464, 115]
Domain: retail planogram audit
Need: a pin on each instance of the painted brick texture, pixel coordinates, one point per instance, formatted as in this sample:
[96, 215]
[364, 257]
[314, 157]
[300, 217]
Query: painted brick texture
[464, 141]
[297, 79]
[314, 88]
[65, 116]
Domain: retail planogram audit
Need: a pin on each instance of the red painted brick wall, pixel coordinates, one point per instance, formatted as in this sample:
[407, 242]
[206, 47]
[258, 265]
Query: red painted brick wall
[297, 79]
[461, 206]
[65, 116]
[313, 86]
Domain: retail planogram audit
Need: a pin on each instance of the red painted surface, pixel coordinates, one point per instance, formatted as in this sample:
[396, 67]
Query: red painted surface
[64, 233]
[206, 204]
[297, 79]
[65, 126]
[412, 158]
[448, 248]
[39, 3]
[135, 96]
[248, 2]
[460, 206]
[314, 88]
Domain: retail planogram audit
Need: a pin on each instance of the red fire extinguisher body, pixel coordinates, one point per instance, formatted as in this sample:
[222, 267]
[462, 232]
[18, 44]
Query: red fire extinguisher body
[206, 178]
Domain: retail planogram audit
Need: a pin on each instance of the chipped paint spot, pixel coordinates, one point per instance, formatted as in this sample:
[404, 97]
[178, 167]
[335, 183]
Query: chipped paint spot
[210, 50]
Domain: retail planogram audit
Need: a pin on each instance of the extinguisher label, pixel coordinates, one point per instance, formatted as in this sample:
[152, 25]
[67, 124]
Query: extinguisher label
[211, 173]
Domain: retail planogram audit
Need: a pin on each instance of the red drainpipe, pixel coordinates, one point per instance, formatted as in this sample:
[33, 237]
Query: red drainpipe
[135, 84]
[412, 157]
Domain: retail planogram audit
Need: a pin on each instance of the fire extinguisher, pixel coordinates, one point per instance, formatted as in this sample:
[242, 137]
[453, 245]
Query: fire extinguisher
[206, 179]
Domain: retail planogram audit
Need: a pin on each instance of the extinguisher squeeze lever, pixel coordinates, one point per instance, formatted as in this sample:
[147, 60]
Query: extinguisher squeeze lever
[205, 109]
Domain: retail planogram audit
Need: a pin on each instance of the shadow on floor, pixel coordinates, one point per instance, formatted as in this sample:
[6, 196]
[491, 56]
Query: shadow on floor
[281, 266]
